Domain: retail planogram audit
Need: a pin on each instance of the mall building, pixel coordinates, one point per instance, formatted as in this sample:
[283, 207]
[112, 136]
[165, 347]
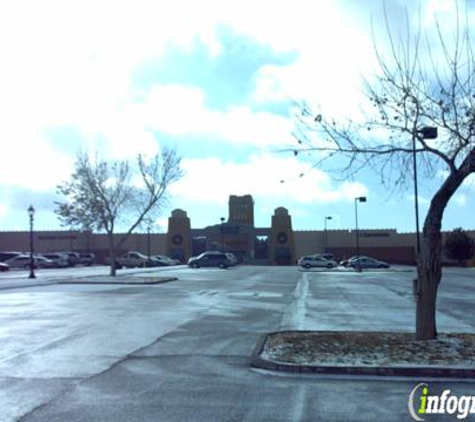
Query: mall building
[277, 244]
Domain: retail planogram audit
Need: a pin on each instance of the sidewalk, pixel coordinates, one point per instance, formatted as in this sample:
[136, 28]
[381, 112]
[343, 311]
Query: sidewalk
[139, 277]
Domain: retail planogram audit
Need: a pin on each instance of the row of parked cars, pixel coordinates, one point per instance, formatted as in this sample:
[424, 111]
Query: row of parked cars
[327, 261]
[137, 259]
[46, 260]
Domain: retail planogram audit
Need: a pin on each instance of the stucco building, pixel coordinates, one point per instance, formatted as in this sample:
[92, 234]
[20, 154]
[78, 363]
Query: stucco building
[277, 244]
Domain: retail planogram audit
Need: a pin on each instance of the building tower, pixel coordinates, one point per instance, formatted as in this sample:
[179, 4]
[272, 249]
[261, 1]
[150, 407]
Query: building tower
[281, 245]
[241, 210]
[179, 236]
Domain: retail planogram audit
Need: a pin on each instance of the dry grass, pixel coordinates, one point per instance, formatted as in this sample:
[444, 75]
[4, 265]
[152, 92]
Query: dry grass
[370, 349]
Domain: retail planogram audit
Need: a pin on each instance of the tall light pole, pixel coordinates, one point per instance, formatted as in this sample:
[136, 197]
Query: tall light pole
[427, 132]
[326, 233]
[31, 213]
[222, 236]
[148, 245]
[424, 133]
[359, 199]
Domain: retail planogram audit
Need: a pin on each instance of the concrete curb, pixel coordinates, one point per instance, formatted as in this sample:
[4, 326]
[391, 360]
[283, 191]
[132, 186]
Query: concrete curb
[159, 280]
[257, 361]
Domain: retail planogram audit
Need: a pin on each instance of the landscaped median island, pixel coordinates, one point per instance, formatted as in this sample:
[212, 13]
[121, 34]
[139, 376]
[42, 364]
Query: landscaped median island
[367, 353]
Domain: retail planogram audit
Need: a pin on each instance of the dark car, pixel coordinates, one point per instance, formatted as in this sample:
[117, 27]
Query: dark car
[73, 258]
[4, 267]
[4, 256]
[366, 262]
[86, 258]
[210, 259]
[346, 262]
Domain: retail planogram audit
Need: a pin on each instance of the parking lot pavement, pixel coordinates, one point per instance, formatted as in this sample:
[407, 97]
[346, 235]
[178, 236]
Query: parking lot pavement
[180, 351]
[19, 278]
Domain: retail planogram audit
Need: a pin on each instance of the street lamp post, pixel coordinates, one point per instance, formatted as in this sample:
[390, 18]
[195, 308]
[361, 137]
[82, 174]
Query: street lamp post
[424, 133]
[31, 213]
[359, 199]
[326, 233]
[148, 245]
[222, 235]
[427, 132]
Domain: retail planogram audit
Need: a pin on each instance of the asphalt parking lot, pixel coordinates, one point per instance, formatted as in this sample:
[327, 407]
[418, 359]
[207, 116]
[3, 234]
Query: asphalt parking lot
[180, 351]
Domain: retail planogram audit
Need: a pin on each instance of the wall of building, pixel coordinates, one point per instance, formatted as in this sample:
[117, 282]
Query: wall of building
[57, 241]
[383, 244]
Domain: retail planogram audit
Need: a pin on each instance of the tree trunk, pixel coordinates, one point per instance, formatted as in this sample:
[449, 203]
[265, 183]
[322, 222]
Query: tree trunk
[429, 265]
[429, 274]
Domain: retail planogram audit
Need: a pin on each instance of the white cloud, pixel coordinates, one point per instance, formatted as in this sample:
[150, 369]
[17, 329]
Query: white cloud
[182, 110]
[213, 180]
[29, 161]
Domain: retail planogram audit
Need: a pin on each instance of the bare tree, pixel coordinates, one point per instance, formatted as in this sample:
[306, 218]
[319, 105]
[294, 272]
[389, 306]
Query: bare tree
[425, 84]
[102, 195]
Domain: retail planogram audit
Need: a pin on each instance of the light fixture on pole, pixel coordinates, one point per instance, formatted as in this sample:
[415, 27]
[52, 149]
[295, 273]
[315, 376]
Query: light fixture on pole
[359, 199]
[31, 213]
[325, 238]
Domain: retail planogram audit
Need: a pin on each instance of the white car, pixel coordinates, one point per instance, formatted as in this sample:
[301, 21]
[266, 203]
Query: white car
[43, 262]
[23, 261]
[316, 261]
[162, 260]
[20, 261]
[59, 259]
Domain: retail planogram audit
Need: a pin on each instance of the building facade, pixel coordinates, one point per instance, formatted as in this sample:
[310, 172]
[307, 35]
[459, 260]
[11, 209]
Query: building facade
[277, 244]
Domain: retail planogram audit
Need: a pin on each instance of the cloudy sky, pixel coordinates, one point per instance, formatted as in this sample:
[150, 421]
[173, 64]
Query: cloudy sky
[213, 79]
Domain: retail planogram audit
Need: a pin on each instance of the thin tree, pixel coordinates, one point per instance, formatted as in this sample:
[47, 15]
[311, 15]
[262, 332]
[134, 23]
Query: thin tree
[102, 196]
[424, 84]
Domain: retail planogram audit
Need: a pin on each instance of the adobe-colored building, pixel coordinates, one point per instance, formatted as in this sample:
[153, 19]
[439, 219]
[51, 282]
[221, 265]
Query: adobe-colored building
[277, 244]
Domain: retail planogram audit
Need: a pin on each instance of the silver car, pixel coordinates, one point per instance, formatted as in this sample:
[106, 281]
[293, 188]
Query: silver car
[316, 261]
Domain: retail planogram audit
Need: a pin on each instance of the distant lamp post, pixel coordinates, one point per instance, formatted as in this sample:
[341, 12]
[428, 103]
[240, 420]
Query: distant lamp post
[222, 235]
[31, 213]
[326, 233]
[148, 246]
[359, 199]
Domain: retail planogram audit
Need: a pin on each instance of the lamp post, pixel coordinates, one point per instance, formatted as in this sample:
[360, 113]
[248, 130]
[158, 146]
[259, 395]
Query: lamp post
[326, 233]
[148, 245]
[427, 132]
[31, 213]
[358, 199]
[222, 235]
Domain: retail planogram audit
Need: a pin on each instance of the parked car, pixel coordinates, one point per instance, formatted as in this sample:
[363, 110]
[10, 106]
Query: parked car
[316, 261]
[346, 262]
[21, 261]
[4, 256]
[232, 258]
[42, 262]
[131, 260]
[210, 259]
[163, 260]
[73, 258]
[4, 267]
[86, 258]
[366, 262]
[328, 256]
[60, 260]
